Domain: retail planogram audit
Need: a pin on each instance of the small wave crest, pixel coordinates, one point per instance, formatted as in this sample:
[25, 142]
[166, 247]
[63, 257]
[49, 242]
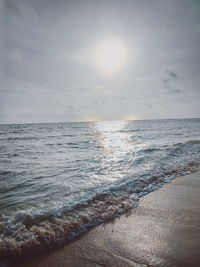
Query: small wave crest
[189, 142]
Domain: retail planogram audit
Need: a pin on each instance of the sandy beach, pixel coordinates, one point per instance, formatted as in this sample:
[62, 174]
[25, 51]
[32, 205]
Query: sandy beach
[164, 230]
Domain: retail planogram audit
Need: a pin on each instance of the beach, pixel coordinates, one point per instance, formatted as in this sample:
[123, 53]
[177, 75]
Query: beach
[164, 230]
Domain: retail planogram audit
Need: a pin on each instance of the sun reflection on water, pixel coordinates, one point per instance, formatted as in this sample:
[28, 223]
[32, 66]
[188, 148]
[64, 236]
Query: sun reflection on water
[113, 137]
[114, 141]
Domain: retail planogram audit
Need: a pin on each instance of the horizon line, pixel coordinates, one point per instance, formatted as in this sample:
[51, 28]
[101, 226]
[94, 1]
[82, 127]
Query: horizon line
[86, 121]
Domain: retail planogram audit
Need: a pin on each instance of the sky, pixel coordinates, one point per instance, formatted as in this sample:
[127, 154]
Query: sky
[48, 72]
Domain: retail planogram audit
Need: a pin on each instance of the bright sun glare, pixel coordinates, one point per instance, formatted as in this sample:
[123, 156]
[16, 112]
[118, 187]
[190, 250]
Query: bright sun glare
[111, 55]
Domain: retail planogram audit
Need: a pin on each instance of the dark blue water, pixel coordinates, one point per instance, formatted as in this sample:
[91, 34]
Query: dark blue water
[57, 180]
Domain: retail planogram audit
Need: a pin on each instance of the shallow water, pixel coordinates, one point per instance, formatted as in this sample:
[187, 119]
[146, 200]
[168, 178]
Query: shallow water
[57, 180]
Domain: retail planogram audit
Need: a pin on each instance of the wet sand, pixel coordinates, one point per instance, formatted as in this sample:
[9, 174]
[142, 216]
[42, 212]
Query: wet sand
[164, 230]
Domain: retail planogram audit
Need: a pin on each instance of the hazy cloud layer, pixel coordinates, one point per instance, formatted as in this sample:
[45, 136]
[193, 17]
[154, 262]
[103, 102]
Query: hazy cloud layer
[48, 72]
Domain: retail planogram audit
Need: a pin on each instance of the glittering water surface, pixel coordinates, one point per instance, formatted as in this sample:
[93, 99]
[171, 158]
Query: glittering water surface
[59, 170]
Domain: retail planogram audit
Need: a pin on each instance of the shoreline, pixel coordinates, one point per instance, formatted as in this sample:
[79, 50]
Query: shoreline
[164, 230]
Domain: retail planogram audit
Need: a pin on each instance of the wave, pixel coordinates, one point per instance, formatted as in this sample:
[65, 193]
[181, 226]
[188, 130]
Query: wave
[5, 172]
[27, 232]
[189, 142]
[171, 147]
[22, 138]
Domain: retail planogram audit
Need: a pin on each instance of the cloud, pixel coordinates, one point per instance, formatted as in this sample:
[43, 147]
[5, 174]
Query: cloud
[71, 107]
[82, 89]
[168, 82]
[148, 105]
[11, 5]
[123, 98]
[165, 80]
[174, 91]
[172, 74]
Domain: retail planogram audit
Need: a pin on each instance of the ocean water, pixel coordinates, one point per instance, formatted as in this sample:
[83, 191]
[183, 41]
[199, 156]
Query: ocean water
[57, 180]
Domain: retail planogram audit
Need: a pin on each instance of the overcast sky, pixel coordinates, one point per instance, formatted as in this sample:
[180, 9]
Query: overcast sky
[48, 73]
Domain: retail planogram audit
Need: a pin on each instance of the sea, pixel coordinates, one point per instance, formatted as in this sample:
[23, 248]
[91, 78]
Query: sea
[58, 180]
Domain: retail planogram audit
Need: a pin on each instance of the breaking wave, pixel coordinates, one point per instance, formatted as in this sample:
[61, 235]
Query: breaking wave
[29, 232]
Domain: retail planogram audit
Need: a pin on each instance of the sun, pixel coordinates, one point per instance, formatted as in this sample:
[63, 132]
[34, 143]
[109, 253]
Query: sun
[111, 55]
